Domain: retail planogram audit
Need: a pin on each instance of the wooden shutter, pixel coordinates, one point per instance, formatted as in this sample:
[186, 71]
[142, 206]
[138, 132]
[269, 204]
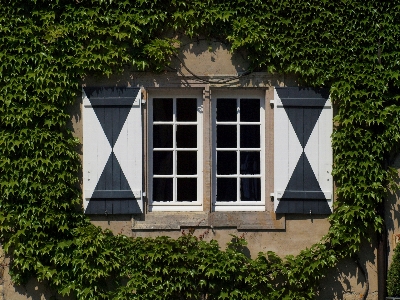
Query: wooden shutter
[302, 151]
[112, 150]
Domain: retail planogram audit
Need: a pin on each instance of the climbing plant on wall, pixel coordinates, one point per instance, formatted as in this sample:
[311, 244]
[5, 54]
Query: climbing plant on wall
[46, 47]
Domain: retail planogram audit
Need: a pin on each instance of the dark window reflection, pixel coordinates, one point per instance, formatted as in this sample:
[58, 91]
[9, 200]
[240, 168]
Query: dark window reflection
[249, 110]
[250, 163]
[250, 189]
[250, 136]
[226, 136]
[226, 189]
[162, 162]
[162, 136]
[162, 109]
[186, 136]
[226, 110]
[186, 162]
[186, 109]
[186, 189]
[162, 189]
[226, 162]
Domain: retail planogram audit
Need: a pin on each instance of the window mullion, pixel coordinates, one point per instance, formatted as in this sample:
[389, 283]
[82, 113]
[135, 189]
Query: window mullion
[174, 155]
[238, 198]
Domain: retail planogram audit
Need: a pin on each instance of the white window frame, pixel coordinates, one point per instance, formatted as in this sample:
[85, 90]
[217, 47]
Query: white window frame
[238, 205]
[175, 205]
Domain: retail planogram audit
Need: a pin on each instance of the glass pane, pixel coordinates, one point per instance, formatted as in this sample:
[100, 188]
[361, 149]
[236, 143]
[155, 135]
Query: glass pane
[186, 189]
[226, 162]
[186, 136]
[226, 136]
[226, 110]
[186, 162]
[249, 162]
[186, 109]
[162, 162]
[162, 189]
[250, 189]
[250, 136]
[162, 136]
[226, 189]
[250, 110]
[162, 109]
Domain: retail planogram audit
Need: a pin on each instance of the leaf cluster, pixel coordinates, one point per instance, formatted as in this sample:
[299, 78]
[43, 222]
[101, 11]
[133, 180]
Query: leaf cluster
[46, 47]
[393, 281]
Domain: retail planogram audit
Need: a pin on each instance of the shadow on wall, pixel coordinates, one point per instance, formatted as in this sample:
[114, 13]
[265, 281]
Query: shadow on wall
[208, 57]
[32, 290]
[347, 280]
[392, 214]
[74, 124]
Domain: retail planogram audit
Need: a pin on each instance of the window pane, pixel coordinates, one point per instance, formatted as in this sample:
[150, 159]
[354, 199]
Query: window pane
[226, 110]
[186, 136]
[249, 136]
[250, 189]
[249, 162]
[226, 136]
[226, 189]
[226, 162]
[249, 110]
[186, 109]
[162, 189]
[162, 136]
[162, 162]
[186, 189]
[162, 109]
[186, 162]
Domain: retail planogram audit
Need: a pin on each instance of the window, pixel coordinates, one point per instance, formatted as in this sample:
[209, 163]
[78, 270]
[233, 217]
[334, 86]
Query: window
[175, 151]
[238, 151]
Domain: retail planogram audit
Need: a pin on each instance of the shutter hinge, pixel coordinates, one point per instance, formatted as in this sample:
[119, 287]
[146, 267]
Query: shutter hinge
[271, 103]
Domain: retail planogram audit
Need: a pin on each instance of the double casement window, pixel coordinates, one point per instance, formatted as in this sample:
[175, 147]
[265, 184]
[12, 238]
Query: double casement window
[191, 150]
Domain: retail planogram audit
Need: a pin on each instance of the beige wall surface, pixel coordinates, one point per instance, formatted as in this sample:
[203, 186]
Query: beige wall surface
[392, 217]
[205, 64]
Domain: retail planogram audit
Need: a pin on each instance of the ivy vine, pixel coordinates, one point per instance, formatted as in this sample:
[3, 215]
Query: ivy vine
[47, 46]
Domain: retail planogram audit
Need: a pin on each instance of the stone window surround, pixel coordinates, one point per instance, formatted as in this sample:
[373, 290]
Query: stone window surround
[265, 220]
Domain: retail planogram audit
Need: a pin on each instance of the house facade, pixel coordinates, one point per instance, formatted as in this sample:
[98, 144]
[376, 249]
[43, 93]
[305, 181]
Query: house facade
[210, 146]
[224, 151]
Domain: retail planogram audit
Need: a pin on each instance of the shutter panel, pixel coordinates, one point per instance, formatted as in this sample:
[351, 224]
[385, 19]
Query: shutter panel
[302, 151]
[112, 150]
